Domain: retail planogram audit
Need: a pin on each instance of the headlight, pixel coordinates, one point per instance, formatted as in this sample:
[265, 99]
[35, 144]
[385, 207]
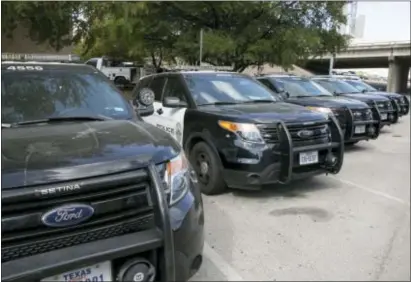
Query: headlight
[177, 177]
[326, 111]
[247, 131]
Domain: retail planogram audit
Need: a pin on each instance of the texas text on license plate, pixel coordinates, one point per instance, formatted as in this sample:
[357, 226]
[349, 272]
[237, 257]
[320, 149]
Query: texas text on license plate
[307, 158]
[384, 116]
[94, 273]
[359, 129]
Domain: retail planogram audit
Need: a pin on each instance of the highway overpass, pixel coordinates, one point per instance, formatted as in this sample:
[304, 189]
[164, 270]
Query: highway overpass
[396, 56]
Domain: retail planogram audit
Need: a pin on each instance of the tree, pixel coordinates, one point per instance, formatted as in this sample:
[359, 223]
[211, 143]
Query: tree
[252, 33]
[51, 22]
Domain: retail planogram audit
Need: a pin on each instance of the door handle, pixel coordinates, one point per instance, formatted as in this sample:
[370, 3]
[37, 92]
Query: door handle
[160, 111]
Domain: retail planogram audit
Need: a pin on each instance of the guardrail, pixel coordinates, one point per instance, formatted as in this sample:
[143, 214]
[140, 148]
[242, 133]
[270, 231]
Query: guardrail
[382, 43]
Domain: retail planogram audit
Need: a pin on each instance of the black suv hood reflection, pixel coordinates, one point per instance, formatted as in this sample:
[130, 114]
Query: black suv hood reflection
[69, 151]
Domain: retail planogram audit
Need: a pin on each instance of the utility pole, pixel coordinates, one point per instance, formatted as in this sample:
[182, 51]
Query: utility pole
[201, 45]
[331, 67]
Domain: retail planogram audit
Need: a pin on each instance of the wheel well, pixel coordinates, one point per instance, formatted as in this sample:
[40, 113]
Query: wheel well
[189, 146]
[192, 142]
[119, 77]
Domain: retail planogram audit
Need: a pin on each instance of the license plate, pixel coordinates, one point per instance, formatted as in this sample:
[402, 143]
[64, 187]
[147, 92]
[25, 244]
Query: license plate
[307, 158]
[359, 129]
[98, 272]
[384, 116]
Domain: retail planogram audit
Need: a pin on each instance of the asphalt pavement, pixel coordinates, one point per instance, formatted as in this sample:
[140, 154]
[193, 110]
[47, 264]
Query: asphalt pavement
[351, 226]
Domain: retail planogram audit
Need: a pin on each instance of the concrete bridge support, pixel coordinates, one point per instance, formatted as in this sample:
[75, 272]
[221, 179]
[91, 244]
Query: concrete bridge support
[398, 72]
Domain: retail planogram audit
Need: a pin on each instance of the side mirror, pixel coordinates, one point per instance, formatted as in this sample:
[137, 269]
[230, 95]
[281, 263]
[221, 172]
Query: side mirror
[364, 91]
[143, 103]
[174, 102]
[284, 95]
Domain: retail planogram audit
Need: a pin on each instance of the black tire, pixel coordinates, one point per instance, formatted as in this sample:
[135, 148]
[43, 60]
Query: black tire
[120, 81]
[211, 179]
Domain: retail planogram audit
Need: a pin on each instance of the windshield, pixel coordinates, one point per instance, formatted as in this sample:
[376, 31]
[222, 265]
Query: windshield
[298, 86]
[361, 86]
[225, 88]
[28, 96]
[337, 86]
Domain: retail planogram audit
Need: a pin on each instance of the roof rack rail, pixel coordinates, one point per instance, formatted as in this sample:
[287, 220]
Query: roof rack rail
[275, 73]
[354, 77]
[198, 68]
[39, 57]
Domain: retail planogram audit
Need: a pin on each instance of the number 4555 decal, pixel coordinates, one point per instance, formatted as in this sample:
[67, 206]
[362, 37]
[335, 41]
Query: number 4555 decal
[38, 68]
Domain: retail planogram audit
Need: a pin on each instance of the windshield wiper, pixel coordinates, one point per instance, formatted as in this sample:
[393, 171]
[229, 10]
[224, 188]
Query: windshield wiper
[219, 103]
[323, 95]
[57, 119]
[259, 101]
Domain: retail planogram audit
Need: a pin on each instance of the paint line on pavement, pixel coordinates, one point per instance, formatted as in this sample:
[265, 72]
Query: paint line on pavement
[378, 193]
[229, 272]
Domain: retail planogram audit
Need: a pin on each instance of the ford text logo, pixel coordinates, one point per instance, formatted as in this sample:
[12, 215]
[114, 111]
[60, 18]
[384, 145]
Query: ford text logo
[305, 133]
[67, 215]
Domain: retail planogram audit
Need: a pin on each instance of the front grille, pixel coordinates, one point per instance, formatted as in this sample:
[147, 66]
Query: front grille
[362, 114]
[319, 134]
[121, 205]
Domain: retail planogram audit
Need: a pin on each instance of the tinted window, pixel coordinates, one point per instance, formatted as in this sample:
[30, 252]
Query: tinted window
[337, 86]
[268, 84]
[38, 95]
[225, 87]
[298, 86]
[157, 85]
[174, 88]
[361, 85]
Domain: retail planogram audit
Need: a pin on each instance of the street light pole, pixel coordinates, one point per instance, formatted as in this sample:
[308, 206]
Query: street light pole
[201, 45]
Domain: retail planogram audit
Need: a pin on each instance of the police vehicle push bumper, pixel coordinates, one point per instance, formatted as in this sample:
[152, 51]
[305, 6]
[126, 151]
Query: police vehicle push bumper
[164, 247]
[403, 105]
[289, 152]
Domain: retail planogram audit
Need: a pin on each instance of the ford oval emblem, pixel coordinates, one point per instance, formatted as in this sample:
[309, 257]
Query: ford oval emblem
[67, 215]
[305, 133]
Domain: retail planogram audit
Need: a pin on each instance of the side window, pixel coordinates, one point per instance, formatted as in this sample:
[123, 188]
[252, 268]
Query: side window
[174, 88]
[268, 84]
[157, 85]
[92, 62]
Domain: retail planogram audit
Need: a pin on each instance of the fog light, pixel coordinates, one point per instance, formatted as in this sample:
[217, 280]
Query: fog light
[391, 117]
[330, 159]
[371, 130]
[138, 269]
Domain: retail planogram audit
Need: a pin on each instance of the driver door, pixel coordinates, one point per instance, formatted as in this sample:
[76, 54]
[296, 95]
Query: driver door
[174, 117]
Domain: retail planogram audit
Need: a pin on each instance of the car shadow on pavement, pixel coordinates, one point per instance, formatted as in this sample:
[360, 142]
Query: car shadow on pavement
[355, 148]
[296, 189]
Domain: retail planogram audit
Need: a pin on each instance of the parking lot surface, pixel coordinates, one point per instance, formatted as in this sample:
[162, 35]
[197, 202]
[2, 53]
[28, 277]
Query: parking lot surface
[351, 226]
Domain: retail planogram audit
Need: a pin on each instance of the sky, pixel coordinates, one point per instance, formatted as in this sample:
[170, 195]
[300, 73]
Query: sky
[384, 21]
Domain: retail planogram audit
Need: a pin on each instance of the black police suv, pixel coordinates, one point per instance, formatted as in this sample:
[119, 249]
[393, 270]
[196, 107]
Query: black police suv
[388, 113]
[90, 192]
[236, 134]
[399, 102]
[357, 120]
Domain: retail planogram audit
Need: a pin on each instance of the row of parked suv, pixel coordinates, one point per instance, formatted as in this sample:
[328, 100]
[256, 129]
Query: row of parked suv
[88, 179]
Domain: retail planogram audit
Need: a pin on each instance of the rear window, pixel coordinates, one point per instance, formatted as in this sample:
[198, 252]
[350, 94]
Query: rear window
[32, 95]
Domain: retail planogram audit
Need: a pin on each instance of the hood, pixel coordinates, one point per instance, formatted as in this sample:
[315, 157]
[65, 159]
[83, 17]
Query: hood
[328, 102]
[366, 98]
[265, 112]
[44, 154]
[387, 94]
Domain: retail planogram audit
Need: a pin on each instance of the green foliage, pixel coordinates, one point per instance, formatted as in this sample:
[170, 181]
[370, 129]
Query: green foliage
[50, 22]
[237, 33]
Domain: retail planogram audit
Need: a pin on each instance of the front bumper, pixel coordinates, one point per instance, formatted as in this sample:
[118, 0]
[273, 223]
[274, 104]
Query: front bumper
[176, 255]
[280, 163]
[371, 127]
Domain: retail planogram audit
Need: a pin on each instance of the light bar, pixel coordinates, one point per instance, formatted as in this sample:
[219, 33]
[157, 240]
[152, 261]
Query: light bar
[39, 57]
[187, 67]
